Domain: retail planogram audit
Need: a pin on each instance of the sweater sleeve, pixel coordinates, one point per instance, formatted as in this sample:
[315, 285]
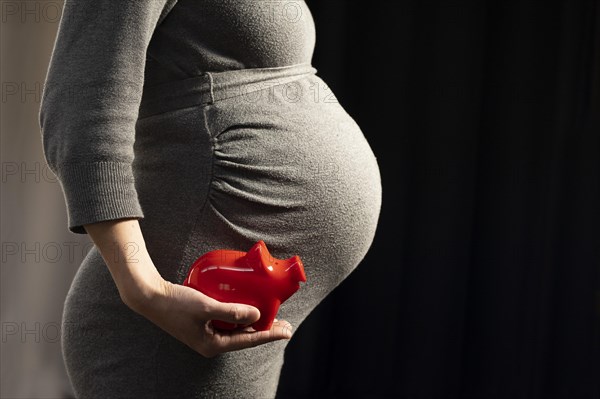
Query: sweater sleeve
[90, 104]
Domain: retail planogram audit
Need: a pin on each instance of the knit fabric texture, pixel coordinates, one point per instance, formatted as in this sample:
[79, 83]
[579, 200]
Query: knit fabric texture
[205, 120]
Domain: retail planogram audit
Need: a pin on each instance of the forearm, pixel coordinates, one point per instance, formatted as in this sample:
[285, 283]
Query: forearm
[123, 249]
[181, 311]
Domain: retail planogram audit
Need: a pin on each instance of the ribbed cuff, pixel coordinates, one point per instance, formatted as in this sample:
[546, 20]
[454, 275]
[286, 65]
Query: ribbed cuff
[99, 191]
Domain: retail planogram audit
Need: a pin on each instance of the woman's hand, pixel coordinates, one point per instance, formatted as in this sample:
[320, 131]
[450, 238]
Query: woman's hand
[183, 312]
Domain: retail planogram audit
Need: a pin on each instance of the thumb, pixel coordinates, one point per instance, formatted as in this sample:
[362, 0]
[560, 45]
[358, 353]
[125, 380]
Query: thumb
[232, 312]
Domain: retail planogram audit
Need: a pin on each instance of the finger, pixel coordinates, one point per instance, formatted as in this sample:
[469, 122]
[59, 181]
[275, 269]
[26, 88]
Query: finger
[244, 339]
[247, 328]
[231, 312]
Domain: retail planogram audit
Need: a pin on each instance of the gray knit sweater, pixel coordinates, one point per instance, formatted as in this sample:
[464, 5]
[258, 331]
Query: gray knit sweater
[291, 168]
[107, 51]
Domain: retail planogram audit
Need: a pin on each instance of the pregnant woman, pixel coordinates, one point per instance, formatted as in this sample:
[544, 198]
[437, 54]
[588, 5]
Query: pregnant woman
[177, 127]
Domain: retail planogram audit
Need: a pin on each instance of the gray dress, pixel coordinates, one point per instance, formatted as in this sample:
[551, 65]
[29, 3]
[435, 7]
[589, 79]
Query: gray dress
[206, 120]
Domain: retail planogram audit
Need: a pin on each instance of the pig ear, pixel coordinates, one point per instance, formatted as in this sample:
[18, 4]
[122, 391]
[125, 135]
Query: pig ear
[258, 256]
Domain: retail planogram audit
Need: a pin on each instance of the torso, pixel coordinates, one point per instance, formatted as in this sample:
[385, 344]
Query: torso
[220, 35]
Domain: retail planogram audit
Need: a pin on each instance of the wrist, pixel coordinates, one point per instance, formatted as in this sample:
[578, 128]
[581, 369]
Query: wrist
[141, 288]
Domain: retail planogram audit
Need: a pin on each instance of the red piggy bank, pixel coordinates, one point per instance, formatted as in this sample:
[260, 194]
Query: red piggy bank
[254, 278]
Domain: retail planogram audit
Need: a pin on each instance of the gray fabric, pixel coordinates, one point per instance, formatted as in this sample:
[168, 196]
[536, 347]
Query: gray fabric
[218, 159]
[90, 103]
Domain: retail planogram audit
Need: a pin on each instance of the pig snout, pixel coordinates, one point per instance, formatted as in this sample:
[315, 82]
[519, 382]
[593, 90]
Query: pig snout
[295, 268]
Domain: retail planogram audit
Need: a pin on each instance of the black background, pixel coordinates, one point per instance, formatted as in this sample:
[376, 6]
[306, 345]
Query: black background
[484, 277]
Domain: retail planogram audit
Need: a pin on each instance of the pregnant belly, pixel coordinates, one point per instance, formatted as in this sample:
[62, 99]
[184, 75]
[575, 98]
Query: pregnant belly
[293, 156]
[285, 164]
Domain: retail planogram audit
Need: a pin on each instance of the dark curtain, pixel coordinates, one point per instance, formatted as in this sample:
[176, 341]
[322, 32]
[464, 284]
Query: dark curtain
[484, 277]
